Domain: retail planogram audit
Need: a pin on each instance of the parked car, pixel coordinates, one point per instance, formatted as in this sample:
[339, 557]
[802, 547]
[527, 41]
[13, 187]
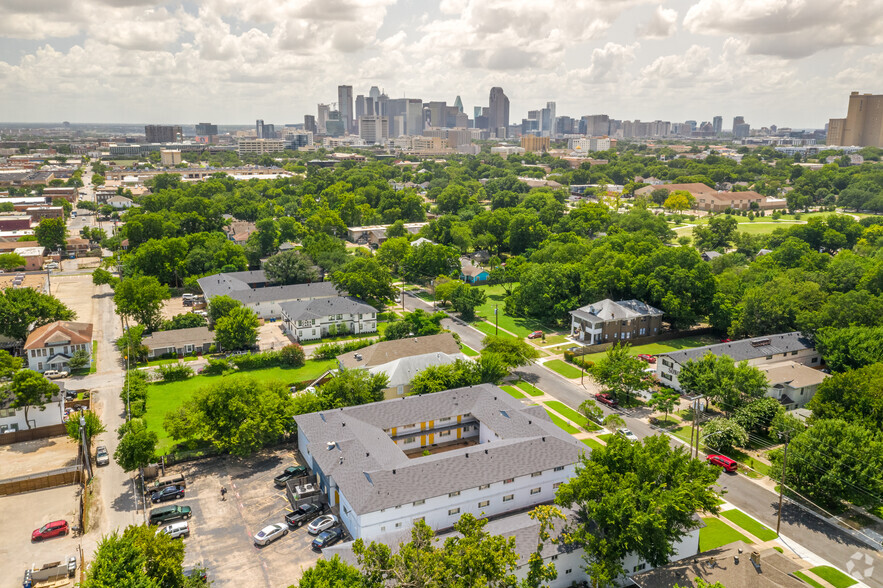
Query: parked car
[101, 456]
[55, 374]
[322, 523]
[729, 465]
[647, 358]
[289, 473]
[326, 538]
[167, 493]
[164, 514]
[304, 513]
[605, 398]
[176, 530]
[628, 435]
[53, 529]
[535, 335]
[52, 265]
[270, 533]
[725, 339]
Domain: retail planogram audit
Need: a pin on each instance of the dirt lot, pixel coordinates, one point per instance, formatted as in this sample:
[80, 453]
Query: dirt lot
[222, 531]
[76, 292]
[175, 306]
[41, 455]
[22, 513]
[272, 337]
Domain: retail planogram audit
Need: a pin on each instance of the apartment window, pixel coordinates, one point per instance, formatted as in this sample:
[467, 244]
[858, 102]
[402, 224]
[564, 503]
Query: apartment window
[558, 469]
[398, 525]
[400, 390]
[666, 363]
[7, 412]
[398, 506]
[508, 480]
[508, 497]
[410, 439]
[483, 503]
[409, 426]
[484, 486]
[382, 529]
[453, 512]
[815, 360]
[665, 376]
[639, 567]
[452, 494]
[567, 571]
[642, 331]
[444, 434]
[793, 353]
[554, 558]
[419, 502]
[535, 490]
[444, 420]
[555, 485]
[769, 356]
[536, 474]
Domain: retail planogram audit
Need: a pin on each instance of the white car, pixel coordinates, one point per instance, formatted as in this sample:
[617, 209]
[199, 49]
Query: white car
[176, 530]
[322, 523]
[52, 265]
[55, 374]
[628, 435]
[270, 533]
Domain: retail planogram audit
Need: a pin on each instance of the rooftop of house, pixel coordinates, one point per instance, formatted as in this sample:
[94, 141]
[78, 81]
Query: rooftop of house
[747, 349]
[401, 371]
[608, 310]
[352, 446]
[387, 351]
[246, 287]
[179, 338]
[317, 308]
[793, 375]
[59, 333]
[469, 268]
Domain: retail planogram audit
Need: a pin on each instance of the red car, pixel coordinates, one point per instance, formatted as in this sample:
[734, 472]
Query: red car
[48, 530]
[607, 399]
[647, 358]
[725, 339]
[535, 335]
[723, 461]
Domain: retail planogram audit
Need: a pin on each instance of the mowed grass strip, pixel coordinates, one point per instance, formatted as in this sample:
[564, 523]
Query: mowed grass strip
[833, 576]
[468, 351]
[592, 443]
[529, 388]
[514, 392]
[746, 522]
[572, 414]
[562, 423]
[808, 580]
[717, 533]
[563, 368]
[488, 329]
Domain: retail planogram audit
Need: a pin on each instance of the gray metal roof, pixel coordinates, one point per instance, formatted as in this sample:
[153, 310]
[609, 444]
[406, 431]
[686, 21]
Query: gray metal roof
[317, 308]
[236, 286]
[373, 473]
[746, 349]
[607, 310]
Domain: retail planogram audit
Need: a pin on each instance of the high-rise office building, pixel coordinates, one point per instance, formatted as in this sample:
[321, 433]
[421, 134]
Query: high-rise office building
[498, 108]
[163, 134]
[206, 130]
[692, 124]
[374, 129]
[863, 125]
[324, 112]
[476, 112]
[718, 124]
[335, 125]
[310, 124]
[380, 105]
[361, 107]
[596, 125]
[737, 120]
[458, 104]
[259, 128]
[264, 131]
[345, 106]
[414, 117]
[438, 112]
[374, 93]
[547, 120]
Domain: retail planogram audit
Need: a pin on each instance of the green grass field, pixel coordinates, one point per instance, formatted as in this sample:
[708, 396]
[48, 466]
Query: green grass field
[514, 392]
[657, 348]
[94, 366]
[496, 296]
[606, 437]
[592, 443]
[554, 340]
[573, 415]
[469, 351]
[488, 329]
[561, 367]
[154, 362]
[562, 423]
[808, 580]
[833, 576]
[746, 522]
[166, 397]
[529, 388]
[717, 533]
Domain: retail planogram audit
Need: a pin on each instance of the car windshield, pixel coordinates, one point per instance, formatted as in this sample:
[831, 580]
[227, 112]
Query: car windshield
[44, 528]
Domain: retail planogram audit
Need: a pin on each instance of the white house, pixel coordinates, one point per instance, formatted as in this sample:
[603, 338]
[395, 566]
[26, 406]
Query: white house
[758, 352]
[489, 455]
[791, 383]
[120, 202]
[254, 291]
[51, 346]
[13, 419]
[320, 317]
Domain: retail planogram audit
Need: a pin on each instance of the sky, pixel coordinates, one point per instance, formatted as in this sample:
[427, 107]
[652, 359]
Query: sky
[785, 62]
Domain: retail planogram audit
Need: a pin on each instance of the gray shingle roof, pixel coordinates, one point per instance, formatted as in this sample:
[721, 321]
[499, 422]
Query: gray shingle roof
[236, 286]
[607, 310]
[373, 473]
[317, 308]
[179, 338]
[387, 351]
[746, 349]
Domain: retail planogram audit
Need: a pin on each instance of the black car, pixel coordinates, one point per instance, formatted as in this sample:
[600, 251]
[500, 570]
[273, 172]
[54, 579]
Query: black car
[326, 538]
[289, 473]
[167, 493]
[304, 513]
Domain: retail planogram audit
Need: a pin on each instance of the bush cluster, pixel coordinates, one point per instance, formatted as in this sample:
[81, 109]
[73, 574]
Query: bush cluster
[332, 350]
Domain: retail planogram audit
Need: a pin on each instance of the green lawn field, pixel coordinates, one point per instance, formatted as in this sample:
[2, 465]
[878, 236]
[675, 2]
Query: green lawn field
[562, 423]
[657, 348]
[571, 414]
[468, 351]
[592, 443]
[833, 576]
[496, 296]
[529, 388]
[559, 366]
[514, 392]
[488, 329]
[746, 522]
[717, 533]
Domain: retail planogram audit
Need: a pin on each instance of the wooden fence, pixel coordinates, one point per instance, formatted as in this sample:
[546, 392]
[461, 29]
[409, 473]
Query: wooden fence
[42, 480]
[32, 434]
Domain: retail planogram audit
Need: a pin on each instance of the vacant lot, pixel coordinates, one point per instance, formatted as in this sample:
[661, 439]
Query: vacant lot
[496, 297]
[40, 455]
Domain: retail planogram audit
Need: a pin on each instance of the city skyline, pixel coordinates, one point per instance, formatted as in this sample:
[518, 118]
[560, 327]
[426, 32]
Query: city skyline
[783, 63]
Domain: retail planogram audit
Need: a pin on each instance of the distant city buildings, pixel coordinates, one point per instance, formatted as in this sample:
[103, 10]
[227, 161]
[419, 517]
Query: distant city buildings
[498, 113]
[163, 134]
[863, 125]
[259, 146]
[206, 133]
[345, 106]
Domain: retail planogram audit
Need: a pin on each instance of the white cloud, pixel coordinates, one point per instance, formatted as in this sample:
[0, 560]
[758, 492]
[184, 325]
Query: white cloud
[608, 63]
[661, 25]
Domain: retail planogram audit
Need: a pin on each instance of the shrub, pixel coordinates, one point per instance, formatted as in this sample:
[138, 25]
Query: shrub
[292, 355]
[216, 367]
[135, 386]
[175, 372]
[256, 361]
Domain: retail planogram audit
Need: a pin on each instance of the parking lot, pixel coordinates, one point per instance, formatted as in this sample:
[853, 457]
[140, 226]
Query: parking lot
[271, 336]
[221, 531]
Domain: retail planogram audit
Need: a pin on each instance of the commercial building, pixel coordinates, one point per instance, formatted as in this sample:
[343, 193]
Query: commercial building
[33, 257]
[170, 157]
[374, 130]
[163, 134]
[707, 198]
[69, 193]
[260, 146]
[488, 455]
[345, 105]
[51, 346]
[254, 291]
[535, 144]
[377, 233]
[206, 130]
[498, 112]
[863, 125]
[607, 321]
[308, 320]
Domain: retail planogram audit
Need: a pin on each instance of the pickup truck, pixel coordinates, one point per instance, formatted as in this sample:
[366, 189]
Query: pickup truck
[304, 514]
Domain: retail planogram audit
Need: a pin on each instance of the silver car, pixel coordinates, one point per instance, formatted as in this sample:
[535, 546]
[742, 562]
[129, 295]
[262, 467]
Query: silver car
[101, 456]
[628, 435]
[176, 530]
[322, 523]
[270, 533]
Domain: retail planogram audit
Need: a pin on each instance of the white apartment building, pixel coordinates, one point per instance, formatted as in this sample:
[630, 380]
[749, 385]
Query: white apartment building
[249, 146]
[13, 419]
[313, 319]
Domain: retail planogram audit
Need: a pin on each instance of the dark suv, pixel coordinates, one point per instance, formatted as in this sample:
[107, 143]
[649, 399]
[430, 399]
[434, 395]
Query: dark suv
[304, 514]
[167, 493]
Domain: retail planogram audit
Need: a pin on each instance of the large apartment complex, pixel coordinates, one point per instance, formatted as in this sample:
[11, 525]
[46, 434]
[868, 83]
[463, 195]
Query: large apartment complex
[863, 125]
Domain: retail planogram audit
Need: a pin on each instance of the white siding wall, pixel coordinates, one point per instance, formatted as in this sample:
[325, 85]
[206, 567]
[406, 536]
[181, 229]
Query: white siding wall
[38, 358]
[52, 415]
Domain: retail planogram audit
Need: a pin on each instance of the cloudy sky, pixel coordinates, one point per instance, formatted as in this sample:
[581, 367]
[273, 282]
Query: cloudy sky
[785, 62]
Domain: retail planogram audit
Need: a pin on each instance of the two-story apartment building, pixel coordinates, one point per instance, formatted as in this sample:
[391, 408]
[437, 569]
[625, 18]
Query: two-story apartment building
[313, 319]
[760, 352]
[607, 321]
[51, 346]
[254, 291]
[792, 383]
[14, 419]
[488, 454]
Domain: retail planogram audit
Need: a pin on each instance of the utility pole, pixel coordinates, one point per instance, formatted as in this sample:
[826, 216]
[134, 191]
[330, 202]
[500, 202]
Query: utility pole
[49, 281]
[496, 321]
[782, 483]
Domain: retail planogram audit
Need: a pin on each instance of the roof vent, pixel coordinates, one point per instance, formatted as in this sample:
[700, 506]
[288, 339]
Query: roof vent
[467, 456]
[358, 356]
[342, 424]
[330, 445]
[485, 451]
[544, 439]
[760, 342]
[393, 472]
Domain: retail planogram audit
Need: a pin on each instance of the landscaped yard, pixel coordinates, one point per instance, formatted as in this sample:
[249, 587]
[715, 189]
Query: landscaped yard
[606, 437]
[153, 362]
[833, 576]
[529, 388]
[573, 415]
[808, 580]
[553, 340]
[514, 392]
[717, 533]
[592, 443]
[562, 423]
[559, 366]
[663, 347]
[468, 351]
[496, 296]
[488, 329]
[746, 522]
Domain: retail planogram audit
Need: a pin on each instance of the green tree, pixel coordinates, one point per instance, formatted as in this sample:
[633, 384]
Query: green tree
[330, 573]
[512, 352]
[855, 396]
[723, 434]
[393, 252]
[722, 381]
[102, 276]
[9, 364]
[78, 360]
[220, 306]
[137, 446]
[428, 260]
[31, 390]
[591, 410]
[93, 426]
[292, 355]
[237, 330]
[11, 261]
[290, 267]
[141, 299]
[446, 287]
[132, 344]
[758, 415]
[717, 234]
[366, 279]
[353, 387]
[786, 426]
[629, 505]
[679, 200]
[613, 422]
[664, 401]
[466, 299]
[418, 323]
[187, 320]
[51, 233]
[620, 372]
[97, 180]
[24, 309]
[850, 347]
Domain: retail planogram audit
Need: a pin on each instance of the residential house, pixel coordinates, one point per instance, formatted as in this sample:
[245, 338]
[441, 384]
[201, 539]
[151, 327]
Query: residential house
[179, 341]
[78, 246]
[51, 346]
[791, 383]
[402, 359]
[254, 291]
[420, 241]
[607, 321]
[709, 255]
[316, 318]
[488, 455]
[239, 231]
[471, 273]
[120, 202]
[13, 419]
[760, 352]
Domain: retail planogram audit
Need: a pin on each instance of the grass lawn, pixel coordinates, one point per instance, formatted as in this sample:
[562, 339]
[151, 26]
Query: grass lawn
[683, 434]
[529, 388]
[657, 348]
[496, 296]
[808, 580]
[746, 522]
[554, 340]
[167, 361]
[468, 351]
[94, 367]
[166, 397]
[488, 329]
[717, 533]
[592, 443]
[606, 437]
[514, 392]
[757, 465]
[562, 423]
[833, 576]
[571, 414]
[561, 367]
